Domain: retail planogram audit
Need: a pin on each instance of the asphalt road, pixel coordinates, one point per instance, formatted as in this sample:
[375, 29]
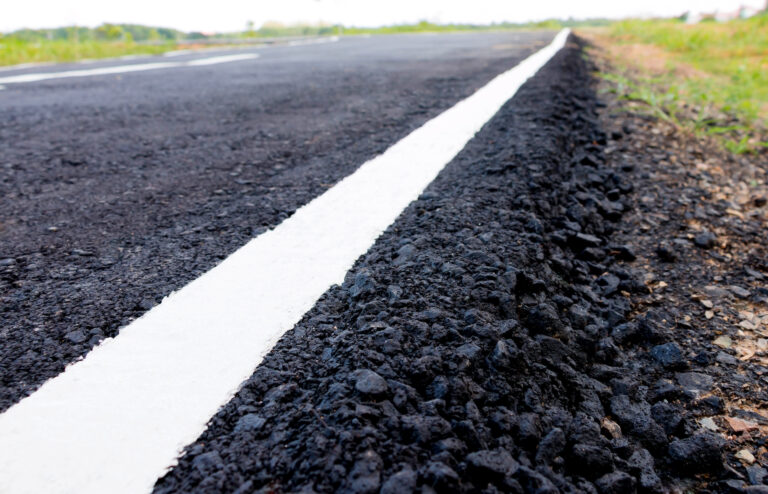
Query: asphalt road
[116, 190]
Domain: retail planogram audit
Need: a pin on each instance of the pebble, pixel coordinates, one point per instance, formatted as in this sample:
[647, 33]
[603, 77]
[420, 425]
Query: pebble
[740, 425]
[709, 424]
[698, 453]
[250, 422]
[694, 384]
[369, 382]
[756, 474]
[76, 336]
[723, 341]
[707, 303]
[365, 476]
[402, 482]
[666, 253]
[491, 463]
[610, 428]
[739, 291]
[617, 482]
[668, 355]
[705, 240]
[441, 476]
[745, 456]
[725, 358]
[747, 325]
[208, 463]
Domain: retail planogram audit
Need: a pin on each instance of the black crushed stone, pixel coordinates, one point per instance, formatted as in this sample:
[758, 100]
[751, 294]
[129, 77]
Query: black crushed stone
[475, 347]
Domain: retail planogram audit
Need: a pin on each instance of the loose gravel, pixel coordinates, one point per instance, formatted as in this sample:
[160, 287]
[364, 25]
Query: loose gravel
[480, 345]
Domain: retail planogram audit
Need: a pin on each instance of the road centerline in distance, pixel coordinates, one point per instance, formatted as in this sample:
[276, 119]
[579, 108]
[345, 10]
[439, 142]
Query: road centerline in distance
[116, 420]
[124, 69]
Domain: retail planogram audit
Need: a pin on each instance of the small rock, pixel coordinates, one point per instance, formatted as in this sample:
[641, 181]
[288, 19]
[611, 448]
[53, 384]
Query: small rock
[707, 303]
[705, 240]
[76, 336]
[749, 415]
[668, 355]
[550, 446]
[726, 359]
[441, 476]
[617, 482]
[610, 429]
[250, 422]
[363, 284]
[404, 254]
[756, 474]
[623, 252]
[745, 456]
[666, 253]
[468, 351]
[543, 318]
[402, 482]
[739, 291]
[591, 460]
[740, 425]
[365, 477]
[368, 382]
[723, 341]
[698, 453]
[694, 384]
[208, 463]
[641, 464]
[583, 240]
[668, 416]
[532, 481]
[709, 424]
[497, 463]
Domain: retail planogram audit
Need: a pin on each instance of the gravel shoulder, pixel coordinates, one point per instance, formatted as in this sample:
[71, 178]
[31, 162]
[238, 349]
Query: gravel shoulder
[698, 225]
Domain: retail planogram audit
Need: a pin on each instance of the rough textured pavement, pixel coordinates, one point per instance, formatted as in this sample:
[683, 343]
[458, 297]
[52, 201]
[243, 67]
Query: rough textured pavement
[116, 190]
[469, 350]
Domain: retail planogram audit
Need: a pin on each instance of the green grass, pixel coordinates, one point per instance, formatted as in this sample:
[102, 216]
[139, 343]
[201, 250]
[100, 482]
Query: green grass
[15, 51]
[729, 76]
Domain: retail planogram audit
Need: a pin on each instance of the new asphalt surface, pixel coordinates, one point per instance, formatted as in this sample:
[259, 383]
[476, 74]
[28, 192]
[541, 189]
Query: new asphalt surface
[116, 190]
[503, 334]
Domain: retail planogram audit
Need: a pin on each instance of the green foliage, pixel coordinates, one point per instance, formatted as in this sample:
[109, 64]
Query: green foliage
[730, 61]
[14, 51]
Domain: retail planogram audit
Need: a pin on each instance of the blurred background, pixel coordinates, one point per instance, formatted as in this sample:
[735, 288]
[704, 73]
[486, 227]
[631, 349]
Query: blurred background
[666, 55]
[174, 20]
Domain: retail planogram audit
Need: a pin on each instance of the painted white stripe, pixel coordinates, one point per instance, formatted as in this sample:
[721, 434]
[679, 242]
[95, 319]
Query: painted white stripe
[317, 41]
[122, 69]
[221, 59]
[116, 420]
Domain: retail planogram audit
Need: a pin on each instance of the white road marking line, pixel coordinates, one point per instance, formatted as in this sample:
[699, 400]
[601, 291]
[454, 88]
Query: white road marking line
[318, 41]
[116, 420]
[222, 59]
[122, 69]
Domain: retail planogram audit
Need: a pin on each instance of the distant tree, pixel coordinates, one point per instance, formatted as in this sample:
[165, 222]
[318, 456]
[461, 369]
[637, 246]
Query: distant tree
[109, 32]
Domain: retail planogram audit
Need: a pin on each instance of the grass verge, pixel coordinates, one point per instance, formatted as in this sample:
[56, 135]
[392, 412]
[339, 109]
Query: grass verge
[14, 51]
[710, 78]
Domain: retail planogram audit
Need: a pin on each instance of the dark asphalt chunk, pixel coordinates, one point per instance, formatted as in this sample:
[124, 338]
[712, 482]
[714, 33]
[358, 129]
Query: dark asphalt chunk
[504, 368]
[115, 191]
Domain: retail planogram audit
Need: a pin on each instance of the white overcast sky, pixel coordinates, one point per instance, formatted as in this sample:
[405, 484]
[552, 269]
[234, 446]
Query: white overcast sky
[232, 15]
